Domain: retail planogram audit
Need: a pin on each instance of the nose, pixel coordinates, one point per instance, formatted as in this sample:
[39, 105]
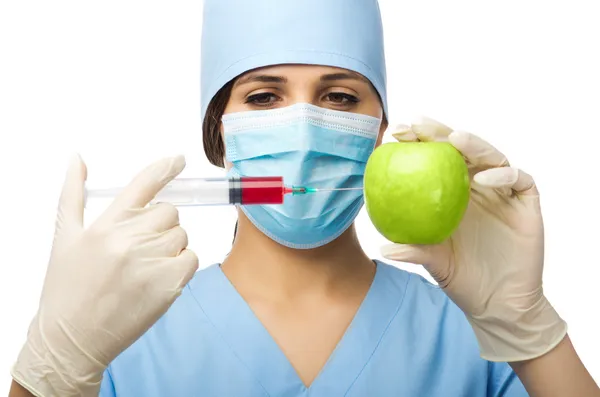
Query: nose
[304, 93]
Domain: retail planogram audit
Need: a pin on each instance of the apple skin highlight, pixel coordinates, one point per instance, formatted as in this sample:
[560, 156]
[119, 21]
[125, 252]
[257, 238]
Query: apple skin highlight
[416, 192]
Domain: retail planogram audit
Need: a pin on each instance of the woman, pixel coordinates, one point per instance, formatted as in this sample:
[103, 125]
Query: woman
[297, 308]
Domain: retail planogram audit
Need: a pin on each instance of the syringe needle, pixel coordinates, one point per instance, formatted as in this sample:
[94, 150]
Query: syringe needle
[335, 189]
[301, 190]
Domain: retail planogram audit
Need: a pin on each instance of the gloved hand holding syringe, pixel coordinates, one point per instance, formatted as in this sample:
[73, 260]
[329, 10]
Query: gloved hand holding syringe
[222, 191]
[109, 282]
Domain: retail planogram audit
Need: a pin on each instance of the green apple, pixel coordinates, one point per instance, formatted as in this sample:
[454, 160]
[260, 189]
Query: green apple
[416, 192]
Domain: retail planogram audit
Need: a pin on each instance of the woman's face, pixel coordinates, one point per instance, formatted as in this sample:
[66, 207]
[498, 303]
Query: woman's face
[324, 86]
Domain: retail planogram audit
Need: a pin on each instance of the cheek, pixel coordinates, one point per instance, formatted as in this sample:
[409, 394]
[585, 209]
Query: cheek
[236, 104]
[370, 104]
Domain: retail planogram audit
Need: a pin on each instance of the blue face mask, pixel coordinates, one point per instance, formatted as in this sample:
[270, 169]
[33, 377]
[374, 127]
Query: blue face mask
[308, 146]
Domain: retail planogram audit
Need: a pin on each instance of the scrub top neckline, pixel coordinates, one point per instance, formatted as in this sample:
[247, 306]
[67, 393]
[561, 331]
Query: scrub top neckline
[251, 343]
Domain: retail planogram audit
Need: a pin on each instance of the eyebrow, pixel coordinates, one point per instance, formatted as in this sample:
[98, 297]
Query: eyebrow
[261, 78]
[343, 76]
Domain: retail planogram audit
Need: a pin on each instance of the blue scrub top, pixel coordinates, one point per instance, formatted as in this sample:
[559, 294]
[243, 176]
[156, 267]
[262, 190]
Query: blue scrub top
[407, 339]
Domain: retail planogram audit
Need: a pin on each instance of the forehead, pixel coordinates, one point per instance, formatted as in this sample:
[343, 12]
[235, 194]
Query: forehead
[291, 71]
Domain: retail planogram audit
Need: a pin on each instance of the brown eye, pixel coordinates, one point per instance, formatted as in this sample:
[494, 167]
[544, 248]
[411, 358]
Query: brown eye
[262, 99]
[341, 98]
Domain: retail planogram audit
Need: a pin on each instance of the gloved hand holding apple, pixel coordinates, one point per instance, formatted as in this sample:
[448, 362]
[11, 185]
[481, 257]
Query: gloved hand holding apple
[451, 202]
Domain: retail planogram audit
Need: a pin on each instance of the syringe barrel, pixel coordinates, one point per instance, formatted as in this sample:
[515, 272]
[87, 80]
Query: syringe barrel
[223, 191]
[195, 191]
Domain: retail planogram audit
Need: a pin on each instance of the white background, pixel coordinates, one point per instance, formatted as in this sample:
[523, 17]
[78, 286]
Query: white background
[118, 81]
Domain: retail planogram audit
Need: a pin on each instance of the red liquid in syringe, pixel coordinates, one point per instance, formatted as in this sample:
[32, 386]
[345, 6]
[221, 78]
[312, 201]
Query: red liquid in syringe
[262, 190]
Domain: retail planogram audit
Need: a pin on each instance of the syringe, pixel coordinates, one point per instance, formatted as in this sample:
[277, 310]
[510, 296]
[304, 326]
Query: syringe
[218, 191]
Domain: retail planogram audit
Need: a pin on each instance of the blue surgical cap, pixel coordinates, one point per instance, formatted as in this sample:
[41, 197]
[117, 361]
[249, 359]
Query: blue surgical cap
[241, 35]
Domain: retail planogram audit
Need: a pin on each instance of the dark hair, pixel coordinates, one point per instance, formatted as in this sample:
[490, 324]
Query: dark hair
[211, 126]
[214, 148]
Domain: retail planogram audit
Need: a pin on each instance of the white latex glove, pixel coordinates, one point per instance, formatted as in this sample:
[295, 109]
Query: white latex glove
[106, 285]
[491, 266]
